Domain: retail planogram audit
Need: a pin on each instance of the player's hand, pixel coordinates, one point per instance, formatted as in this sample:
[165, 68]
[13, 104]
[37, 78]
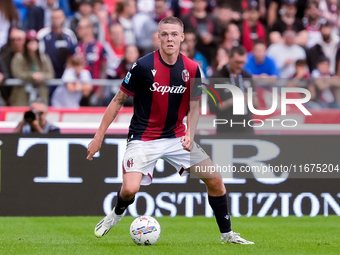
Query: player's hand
[94, 146]
[187, 142]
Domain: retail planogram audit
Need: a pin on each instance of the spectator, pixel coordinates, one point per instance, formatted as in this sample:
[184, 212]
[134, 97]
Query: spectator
[154, 43]
[184, 49]
[125, 10]
[3, 77]
[3, 71]
[99, 9]
[324, 86]
[276, 7]
[95, 57]
[115, 48]
[39, 16]
[224, 14]
[252, 28]
[65, 6]
[14, 45]
[205, 26]
[236, 76]
[220, 60]
[192, 53]
[74, 5]
[231, 36]
[181, 8]
[329, 9]
[85, 12]
[147, 6]
[161, 10]
[301, 78]
[259, 64]
[326, 46]
[289, 21]
[22, 6]
[236, 6]
[312, 22]
[34, 69]
[131, 55]
[77, 83]
[91, 49]
[57, 42]
[301, 69]
[285, 54]
[111, 5]
[8, 17]
[34, 120]
[144, 26]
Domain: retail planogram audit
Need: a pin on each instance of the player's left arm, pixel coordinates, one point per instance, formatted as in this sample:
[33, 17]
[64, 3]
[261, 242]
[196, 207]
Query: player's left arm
[192, 121]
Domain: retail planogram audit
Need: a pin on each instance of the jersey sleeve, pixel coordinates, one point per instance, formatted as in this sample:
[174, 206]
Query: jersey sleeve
[131, 80]
[196, 92]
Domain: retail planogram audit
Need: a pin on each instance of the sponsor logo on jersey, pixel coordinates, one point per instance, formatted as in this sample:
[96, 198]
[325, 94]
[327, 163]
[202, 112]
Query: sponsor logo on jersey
[185, 75]
[61, 44]
[127, 78]
[167, 89]
[92, 57]
[153, 71]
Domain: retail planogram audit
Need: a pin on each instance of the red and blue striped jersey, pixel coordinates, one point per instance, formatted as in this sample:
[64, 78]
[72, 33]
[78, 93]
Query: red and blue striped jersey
[94, 54]
[162, 94]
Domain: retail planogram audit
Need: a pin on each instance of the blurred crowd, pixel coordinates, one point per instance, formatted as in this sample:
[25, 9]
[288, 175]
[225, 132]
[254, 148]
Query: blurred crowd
[80, 40]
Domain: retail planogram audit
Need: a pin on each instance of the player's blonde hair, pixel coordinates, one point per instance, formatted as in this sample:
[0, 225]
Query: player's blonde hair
[170, 20]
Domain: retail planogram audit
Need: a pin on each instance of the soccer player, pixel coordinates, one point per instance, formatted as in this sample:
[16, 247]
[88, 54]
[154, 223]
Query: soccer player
[160, 85]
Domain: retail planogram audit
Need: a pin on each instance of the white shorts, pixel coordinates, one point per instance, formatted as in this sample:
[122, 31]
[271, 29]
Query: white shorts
[142, 156]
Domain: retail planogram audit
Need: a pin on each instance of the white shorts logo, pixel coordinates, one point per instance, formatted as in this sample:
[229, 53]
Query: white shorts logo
[129, 163]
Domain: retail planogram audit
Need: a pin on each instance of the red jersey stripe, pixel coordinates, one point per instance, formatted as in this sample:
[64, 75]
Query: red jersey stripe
[159, 104]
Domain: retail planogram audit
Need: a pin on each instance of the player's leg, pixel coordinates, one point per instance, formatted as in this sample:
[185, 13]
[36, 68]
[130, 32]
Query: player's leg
[218, 200]
[125, 197]
[138, 163]
[126, 193]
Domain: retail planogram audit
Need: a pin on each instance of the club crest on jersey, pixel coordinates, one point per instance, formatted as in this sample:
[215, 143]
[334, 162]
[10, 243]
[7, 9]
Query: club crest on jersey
[127, 78]
[130, 163]
[185, 75]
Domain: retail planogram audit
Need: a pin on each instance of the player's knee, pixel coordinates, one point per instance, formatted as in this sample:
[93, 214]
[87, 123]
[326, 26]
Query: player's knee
[215, 184]
[128, 193]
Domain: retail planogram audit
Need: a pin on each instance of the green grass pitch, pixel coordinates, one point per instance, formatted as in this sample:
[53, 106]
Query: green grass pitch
[180, 235]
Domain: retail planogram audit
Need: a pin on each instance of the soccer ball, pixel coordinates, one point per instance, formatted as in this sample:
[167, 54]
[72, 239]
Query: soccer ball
[145, 230]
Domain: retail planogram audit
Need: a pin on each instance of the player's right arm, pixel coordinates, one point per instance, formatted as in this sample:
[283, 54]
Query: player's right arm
[109, 116]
